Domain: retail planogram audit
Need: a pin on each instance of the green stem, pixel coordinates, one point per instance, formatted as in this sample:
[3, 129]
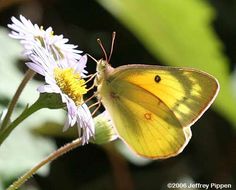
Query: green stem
[26, 113]
[59, 152]
[28, 75]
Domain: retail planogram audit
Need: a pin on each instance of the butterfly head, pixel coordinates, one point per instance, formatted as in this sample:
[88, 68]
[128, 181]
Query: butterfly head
[103, 66]
[103, 71]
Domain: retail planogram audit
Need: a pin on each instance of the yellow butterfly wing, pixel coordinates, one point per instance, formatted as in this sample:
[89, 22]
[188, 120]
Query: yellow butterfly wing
[187, 92]
[148, 104]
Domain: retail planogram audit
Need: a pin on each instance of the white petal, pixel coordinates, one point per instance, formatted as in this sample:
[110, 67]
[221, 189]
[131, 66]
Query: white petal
[47, 88]
[81, 64]
[35, 67]
[85, 121]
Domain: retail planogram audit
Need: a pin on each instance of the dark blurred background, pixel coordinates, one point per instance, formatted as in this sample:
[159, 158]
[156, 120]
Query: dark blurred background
[210, 156]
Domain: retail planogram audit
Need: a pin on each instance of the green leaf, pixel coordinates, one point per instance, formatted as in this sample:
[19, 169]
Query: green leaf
[50, 100]
[180, 33]
[54, 129]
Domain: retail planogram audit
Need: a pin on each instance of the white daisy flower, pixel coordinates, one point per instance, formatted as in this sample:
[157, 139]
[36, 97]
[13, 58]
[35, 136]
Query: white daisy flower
[63, 68]
[30, 34]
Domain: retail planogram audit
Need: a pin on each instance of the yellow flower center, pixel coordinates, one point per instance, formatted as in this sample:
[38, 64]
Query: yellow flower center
[71, 84]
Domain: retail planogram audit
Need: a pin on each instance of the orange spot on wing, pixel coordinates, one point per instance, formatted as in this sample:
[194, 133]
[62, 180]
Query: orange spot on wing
[148, 116]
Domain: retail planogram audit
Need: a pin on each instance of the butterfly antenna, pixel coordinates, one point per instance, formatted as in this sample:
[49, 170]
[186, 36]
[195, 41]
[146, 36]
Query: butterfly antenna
[103, 49]
[112, 44]
[92, 57]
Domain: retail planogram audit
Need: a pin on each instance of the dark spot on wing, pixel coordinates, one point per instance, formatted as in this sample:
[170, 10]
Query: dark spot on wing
[157, 78]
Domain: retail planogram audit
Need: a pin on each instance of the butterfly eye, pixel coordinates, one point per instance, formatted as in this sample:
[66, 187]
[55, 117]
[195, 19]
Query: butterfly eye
[157, 78]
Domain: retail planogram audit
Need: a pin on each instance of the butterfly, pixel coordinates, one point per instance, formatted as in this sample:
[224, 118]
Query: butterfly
[152, 107]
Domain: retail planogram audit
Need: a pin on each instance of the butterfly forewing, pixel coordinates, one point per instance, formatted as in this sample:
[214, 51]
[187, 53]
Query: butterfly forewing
[187, 92]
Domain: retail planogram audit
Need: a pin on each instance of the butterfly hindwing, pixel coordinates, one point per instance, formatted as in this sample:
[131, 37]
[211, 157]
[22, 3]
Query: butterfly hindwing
[143, 121]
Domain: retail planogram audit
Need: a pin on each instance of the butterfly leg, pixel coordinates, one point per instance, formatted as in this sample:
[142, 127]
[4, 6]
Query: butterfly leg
[96, 109]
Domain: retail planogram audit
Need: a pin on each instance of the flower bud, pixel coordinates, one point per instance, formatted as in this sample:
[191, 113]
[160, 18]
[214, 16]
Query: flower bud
[104, 131]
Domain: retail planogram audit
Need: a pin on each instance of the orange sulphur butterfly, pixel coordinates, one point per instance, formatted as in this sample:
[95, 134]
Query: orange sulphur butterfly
[152, 107]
